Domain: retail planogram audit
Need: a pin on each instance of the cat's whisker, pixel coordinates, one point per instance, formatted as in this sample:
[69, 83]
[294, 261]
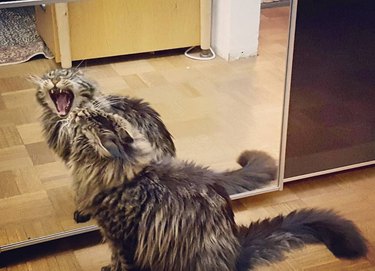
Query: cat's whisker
[80, 64]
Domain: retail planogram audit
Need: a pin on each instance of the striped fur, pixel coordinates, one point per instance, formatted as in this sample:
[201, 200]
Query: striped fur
[53, 124]
[121, 182]
[136, 111]
[165, 214]
[257, 169]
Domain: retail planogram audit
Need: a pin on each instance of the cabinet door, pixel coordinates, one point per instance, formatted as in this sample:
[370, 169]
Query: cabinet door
[331, 121]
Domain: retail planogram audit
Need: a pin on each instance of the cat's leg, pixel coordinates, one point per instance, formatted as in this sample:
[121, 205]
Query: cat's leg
[57, 136]
[88, 118]
[113, 136]
[115, 263]
[91, 116]
[118, 262]
[93, 112]
[80, 217]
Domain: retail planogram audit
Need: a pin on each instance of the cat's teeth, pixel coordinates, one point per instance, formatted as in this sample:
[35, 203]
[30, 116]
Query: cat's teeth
[52, 91]
[60, 91]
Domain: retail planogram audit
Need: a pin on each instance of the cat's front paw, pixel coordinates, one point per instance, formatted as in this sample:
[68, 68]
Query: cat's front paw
[84, 113]
[80, 115]
[106, 268]
[81, 218]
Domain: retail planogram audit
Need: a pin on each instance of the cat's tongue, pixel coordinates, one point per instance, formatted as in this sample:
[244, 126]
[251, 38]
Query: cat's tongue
[62, 103]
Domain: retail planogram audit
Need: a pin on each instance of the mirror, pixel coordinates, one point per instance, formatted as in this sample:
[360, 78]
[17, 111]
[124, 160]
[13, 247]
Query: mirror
[214, 109]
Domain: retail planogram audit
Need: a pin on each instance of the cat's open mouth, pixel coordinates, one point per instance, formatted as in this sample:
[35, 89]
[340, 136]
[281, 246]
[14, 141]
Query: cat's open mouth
[63, 100]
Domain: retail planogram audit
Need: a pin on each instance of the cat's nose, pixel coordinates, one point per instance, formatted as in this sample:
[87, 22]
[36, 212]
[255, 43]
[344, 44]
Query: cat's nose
[55, 81]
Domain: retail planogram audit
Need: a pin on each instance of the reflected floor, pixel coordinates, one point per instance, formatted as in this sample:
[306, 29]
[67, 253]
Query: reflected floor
[214, 110]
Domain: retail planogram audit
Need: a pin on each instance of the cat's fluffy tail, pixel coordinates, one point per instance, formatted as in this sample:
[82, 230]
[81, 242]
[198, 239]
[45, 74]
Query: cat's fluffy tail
[266, 241]
[258, 169]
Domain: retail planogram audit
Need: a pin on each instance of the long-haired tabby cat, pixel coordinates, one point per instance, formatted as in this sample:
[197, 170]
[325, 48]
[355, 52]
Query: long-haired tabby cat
[60, 91]
[171, 215]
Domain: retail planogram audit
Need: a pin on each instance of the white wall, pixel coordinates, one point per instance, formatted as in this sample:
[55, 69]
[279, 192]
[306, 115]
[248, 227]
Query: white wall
[235, 28]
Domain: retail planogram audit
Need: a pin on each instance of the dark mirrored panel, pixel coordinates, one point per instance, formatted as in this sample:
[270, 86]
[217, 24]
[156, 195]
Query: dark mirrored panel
[331, 113]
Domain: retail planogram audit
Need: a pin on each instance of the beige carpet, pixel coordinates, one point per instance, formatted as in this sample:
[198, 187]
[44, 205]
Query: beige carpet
[19, 40]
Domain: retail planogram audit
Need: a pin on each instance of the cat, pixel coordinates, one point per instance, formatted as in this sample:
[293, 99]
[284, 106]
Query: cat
[171, 215]
[60, 91]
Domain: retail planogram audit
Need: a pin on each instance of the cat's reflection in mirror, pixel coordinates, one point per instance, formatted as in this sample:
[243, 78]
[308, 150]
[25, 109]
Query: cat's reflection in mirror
[61, 91]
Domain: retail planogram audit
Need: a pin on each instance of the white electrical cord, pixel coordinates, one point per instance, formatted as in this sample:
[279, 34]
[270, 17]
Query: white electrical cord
[199, 57]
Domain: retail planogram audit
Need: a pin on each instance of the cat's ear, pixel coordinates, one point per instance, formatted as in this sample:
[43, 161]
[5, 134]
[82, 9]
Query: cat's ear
[111, 149]
[36, 80]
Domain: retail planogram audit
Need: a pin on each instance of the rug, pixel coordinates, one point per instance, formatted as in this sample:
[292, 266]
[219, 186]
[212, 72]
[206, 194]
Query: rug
[19, 40]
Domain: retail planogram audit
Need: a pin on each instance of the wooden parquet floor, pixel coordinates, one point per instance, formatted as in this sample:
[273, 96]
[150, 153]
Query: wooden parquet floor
[214, 109]
[350, 193]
